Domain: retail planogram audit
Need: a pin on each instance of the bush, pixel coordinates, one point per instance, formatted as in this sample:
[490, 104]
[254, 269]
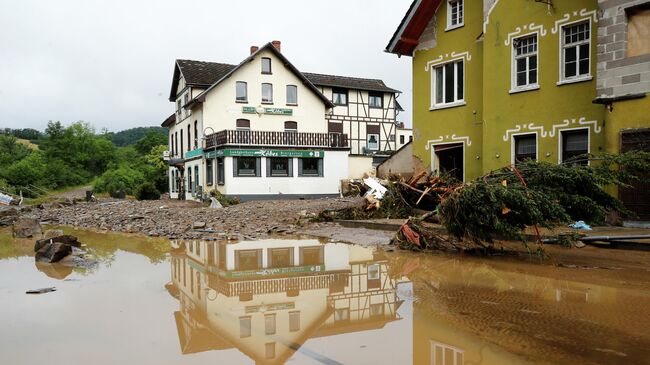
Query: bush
[123, 178]
[224, 200]
[147, 191]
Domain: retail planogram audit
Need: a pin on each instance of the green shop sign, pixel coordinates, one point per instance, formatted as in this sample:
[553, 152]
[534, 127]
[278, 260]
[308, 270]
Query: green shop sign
[262, 110]
[194, 153]
[265, 153]
[311, 269]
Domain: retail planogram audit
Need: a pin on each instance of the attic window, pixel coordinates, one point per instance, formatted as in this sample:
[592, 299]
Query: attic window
[266, 65]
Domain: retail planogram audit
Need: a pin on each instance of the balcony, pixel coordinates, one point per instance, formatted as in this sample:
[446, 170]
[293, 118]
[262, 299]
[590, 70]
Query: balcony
[276, 139]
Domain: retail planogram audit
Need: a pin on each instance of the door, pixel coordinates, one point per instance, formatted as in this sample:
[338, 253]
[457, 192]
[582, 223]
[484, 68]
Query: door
[637, 198]
[449, 160]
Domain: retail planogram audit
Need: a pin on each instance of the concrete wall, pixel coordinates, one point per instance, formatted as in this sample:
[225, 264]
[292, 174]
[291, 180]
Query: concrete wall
[360, 165]
[402, 162]
[619, 74]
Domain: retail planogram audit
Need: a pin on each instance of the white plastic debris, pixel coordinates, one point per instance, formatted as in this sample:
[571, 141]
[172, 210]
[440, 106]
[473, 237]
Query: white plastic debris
[376, 188]
[214, 203]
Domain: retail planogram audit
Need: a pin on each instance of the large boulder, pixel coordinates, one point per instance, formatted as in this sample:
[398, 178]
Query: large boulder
[66, 238]
[53, 252]
[8, 216]
[27, 227]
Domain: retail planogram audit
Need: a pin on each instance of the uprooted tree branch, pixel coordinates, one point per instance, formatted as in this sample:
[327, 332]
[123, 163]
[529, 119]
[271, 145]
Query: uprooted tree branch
[502, 203]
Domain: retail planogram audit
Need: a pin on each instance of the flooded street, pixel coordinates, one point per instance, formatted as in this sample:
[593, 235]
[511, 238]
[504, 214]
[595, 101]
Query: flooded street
[308, 301]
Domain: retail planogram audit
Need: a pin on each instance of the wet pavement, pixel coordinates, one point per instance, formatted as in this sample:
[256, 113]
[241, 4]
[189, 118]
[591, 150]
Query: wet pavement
[316, 301]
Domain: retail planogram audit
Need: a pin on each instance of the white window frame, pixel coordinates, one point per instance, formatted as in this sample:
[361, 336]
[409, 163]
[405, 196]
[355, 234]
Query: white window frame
[461, 14]
[271, 86]
[513, 145]
[513, 65]
[456, 102]
[578, 78]
[368, 141]
[560, 141]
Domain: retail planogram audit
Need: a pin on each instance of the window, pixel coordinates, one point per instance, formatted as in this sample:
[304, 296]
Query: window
[310, 167]
[375, 100]
[401, 139]
[291, 126]
[220, 171]
[196, 179]
[525, 148]
[576, 51]
[376, 310]
[209, 173]
[270, 350]
[342, 314]
[176, 140]
[292, 95]
[266, 65]
[410, 138]
[244, 327]
[374, 276]
[455, 14]
[267, 93]
[269, 324]
[373, 142]
[189, 138]
[525, 63]
[243, 124]
[248, 259]
[196, 134]
[278, 167]
[242, 131]
[281, 257]
[638, 25]
[247, 166]
[181, 150]
[448, 82]
[294, 321]
[311, 255]
[340, 97]
[575, 143]
[241, 92]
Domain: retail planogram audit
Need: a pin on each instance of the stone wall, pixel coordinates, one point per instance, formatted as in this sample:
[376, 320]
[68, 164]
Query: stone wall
[619, 74]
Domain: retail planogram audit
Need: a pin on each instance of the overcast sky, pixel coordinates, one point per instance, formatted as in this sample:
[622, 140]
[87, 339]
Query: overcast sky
[110, 63]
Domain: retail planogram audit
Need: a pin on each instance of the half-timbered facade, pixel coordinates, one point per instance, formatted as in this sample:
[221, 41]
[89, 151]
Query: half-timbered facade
[263, 129]
[364, 109]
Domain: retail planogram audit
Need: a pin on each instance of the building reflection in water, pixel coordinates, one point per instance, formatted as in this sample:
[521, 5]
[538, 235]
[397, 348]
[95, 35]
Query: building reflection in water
[267, 298]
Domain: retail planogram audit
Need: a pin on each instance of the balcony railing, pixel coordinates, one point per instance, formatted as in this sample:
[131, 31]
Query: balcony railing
[276, 139]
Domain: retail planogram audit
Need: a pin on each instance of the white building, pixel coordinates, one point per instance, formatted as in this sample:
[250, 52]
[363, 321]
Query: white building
[262, 129]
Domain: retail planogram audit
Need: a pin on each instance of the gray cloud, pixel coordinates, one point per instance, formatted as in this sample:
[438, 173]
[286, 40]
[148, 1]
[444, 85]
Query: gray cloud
[110, 62]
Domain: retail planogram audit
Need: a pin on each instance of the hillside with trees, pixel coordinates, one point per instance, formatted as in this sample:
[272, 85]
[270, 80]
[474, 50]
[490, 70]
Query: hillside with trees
[129, 137]
[76, 155]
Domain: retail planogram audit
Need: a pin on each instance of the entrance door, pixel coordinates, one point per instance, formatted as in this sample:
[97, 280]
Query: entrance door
[449, 160]
[637, 198]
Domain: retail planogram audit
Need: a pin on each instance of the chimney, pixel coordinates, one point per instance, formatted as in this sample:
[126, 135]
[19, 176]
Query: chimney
[254, 49]
[277, 44]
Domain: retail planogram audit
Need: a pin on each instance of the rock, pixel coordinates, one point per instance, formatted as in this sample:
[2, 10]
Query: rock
[8, 216]
[198, 225]
[53, 233]
[27, 227]
[53, 252]
[66, 238]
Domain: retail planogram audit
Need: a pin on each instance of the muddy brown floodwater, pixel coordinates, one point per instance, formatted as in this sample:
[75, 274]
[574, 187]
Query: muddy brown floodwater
[309, 301]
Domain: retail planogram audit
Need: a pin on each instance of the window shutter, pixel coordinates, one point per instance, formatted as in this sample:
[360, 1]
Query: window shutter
[320, 167]
[268, 167]
[258, 167]
[372, 129]
[300, 167]
[290, 166]
[235, 162]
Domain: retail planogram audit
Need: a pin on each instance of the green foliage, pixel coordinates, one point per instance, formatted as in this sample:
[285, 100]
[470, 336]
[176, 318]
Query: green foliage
[506, 201]
[224, 200]
[24, 133]
[147, 191]
[11, 151]
[150, 140]
[131, 136]
[121, 179]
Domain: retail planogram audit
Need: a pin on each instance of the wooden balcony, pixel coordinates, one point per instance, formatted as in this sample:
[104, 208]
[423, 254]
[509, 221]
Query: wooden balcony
[276, 139]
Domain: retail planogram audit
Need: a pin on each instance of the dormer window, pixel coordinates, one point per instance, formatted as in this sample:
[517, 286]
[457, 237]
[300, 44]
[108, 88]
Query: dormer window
[266, 65]
[455, 14]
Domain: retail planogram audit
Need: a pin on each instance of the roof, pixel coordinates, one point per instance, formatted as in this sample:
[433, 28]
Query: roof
[349, 82]
[407, 34]
[171, 120]
[269, 46]
[203, 73]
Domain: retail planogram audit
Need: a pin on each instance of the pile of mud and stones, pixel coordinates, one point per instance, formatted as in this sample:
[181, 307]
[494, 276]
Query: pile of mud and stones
[190, 220]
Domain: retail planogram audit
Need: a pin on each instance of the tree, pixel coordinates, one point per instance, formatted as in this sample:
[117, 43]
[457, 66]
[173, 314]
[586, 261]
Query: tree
[11, 151]
[150, 140]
